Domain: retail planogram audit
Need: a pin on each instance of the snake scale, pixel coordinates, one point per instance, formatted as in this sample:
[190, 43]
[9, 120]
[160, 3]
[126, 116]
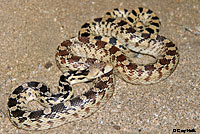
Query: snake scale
[101, 50]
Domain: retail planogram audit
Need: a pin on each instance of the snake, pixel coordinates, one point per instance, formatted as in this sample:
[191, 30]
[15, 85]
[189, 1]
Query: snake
[104, 48]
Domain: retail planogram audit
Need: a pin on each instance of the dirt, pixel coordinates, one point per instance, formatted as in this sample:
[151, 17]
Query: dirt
[30, 32]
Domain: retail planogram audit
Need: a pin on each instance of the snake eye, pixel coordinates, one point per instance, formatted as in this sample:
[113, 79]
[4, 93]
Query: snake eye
[103, 69]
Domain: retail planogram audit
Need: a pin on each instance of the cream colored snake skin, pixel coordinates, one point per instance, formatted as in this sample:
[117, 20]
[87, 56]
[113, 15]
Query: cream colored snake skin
[102, 50]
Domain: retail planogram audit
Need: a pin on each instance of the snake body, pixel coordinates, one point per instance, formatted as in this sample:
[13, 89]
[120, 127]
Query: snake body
[97, 54]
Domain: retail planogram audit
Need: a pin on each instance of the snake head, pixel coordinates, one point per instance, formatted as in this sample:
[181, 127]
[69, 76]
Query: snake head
[99, 69]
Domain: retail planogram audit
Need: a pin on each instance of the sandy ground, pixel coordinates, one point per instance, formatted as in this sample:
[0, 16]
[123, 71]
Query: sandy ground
[30, 32]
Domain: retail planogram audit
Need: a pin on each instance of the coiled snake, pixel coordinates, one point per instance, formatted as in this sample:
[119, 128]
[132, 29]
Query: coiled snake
[101, 51]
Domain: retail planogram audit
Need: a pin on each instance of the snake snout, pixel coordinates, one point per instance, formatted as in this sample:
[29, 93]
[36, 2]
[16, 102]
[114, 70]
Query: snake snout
[107, 68]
